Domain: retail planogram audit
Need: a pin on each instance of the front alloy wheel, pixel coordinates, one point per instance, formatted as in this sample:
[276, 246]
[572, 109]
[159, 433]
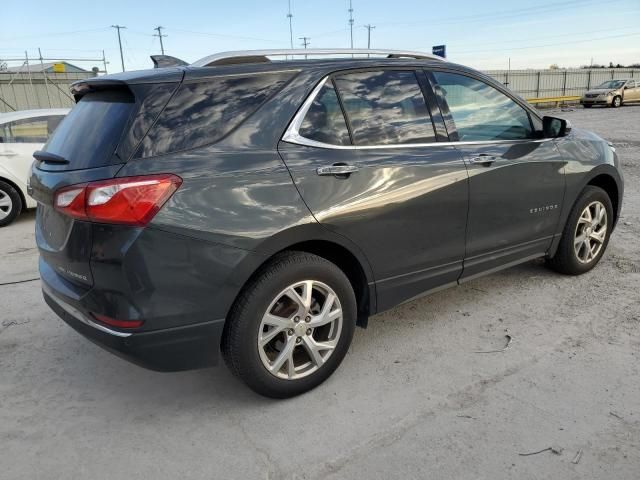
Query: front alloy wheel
[591, 232]
[586, 233]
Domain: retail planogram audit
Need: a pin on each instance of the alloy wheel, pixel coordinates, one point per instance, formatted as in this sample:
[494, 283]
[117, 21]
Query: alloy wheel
[300, 330]
[6, 205]
[591, 232]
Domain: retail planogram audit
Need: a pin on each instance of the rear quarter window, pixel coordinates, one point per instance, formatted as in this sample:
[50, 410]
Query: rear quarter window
[202, 112]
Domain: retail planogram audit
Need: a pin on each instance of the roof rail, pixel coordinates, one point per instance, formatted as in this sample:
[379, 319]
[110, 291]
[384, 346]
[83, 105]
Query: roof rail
[261, 56]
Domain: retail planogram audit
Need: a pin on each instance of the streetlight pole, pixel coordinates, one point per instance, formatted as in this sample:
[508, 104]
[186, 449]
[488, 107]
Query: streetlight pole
[351, 21]
[290, 17]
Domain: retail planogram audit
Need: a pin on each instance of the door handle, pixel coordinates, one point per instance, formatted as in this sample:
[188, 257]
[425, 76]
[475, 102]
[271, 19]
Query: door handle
[8, 153]
[337, 170]
[483, 159]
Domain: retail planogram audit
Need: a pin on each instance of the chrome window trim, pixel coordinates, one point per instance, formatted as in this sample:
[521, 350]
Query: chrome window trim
[78, 315]
[292, 135]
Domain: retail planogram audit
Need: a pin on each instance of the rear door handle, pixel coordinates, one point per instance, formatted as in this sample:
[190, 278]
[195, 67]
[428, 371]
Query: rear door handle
[483, 159]
[8, 153]
[341, 170]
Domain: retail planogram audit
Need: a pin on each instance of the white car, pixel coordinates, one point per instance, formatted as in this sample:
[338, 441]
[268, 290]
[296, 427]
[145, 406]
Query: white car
[21, 134]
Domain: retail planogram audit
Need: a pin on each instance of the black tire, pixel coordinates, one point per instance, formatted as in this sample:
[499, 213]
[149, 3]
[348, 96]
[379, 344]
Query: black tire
[616, 102]
[565, 259]
[587, 106]
[11, 211]
[239, 343]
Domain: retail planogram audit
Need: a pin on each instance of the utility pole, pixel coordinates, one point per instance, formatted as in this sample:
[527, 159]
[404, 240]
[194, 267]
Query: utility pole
[369, 27]
[290, 17]
[119, 27]
[160, 35]
[351, 21]
[305, 43]
[104, 62]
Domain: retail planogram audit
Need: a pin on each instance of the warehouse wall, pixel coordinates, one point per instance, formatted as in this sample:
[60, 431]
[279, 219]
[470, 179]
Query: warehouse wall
[23, 91]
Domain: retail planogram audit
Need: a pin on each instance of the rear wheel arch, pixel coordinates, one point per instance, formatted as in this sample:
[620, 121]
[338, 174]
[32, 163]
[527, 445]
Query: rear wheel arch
[346, 261]
[353, 265]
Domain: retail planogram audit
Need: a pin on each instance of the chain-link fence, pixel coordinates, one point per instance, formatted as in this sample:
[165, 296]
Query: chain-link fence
[558, 82]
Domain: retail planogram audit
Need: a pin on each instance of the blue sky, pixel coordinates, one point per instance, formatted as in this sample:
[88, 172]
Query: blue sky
[480, 34]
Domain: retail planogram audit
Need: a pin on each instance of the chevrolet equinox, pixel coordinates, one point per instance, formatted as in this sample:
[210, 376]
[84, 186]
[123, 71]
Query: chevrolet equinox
[262, 205]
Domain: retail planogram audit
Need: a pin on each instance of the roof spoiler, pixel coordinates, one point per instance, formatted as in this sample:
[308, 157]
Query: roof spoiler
[161, 61]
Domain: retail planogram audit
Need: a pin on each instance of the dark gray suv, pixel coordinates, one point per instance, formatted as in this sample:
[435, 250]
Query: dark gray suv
[264, 208]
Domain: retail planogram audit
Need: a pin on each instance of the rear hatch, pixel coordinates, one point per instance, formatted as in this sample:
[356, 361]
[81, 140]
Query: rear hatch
[92, 143]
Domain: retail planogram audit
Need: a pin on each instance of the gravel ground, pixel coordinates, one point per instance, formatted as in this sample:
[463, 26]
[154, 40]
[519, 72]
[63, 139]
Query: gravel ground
[411, 400]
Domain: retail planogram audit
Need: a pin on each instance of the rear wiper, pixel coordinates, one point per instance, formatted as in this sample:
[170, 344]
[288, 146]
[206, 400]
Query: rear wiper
[48, 157]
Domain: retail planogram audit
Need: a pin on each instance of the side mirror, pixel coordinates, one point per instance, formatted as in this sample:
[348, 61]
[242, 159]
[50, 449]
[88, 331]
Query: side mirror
[626, 87]
[553, 127]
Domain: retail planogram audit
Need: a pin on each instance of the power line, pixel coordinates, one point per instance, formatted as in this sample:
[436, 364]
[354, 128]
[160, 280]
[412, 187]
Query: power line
[56, 34]
[118, 28]
[221, 35]
[548, 44]
[160, 35]
[503, 14]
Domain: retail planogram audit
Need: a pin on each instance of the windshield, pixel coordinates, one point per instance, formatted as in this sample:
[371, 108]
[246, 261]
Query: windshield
[612, 84]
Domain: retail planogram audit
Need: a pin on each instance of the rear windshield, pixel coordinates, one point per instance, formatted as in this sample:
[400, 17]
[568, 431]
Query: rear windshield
[202, 112]
[89, 135]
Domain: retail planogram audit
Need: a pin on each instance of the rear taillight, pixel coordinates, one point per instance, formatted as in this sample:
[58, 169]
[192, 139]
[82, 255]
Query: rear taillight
[112, 322]
[125, 200]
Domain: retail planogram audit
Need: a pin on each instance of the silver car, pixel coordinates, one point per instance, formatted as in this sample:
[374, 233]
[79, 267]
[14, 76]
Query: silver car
[612, 93]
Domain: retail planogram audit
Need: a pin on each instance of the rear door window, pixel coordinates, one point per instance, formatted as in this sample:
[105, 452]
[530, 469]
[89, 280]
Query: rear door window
[202, 112]
[481, 112]
[385, 107]
[324, 121]
[89, 134]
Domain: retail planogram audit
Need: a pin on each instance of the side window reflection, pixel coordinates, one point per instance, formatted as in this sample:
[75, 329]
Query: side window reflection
[481, 112]
[385, 107]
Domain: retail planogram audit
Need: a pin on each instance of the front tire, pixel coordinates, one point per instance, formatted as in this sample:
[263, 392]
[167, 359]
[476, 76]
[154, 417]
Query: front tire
[586, 105]
[10, 204]
[616, 102]
[586, 233]
[291, 326]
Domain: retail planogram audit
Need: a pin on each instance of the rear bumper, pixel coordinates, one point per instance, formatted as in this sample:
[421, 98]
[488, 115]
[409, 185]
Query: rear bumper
[172, 349]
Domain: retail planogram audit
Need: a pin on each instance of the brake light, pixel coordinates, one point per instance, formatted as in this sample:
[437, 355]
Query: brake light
[112, 322]
[125, 200]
